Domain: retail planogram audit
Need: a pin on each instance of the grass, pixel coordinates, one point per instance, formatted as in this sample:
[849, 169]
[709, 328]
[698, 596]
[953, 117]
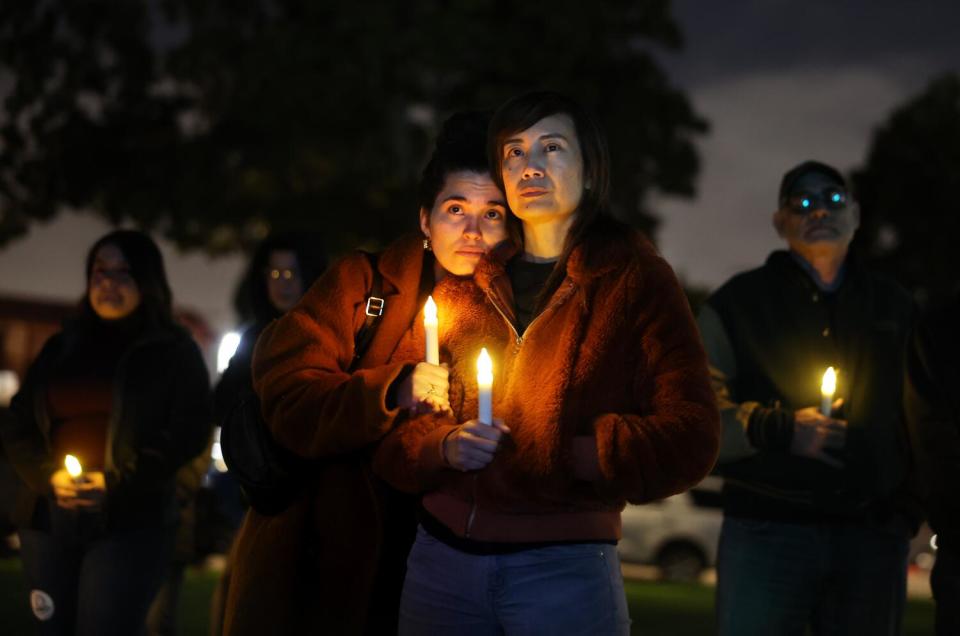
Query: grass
[667, 609]
[677, 609]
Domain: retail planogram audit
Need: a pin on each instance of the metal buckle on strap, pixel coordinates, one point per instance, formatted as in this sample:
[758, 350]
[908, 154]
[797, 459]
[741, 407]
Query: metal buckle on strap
[375, 306]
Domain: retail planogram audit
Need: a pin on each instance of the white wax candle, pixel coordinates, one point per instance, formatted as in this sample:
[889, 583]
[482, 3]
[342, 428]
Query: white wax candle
[485, 388]
[827, 388]
[430, 327]
[74, 469]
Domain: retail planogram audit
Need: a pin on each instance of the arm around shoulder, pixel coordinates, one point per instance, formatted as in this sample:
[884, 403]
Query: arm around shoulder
[314, 404]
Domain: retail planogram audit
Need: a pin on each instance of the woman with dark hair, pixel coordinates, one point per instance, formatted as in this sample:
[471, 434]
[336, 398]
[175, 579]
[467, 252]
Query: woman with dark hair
[294, 258]
[333, 562]
[125, 391]
[281, 269]
[601, 396]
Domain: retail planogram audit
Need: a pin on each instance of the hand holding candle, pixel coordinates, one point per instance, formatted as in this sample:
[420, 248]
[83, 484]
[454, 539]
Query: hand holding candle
[74, 488]
[485, 388]
[827, 388]
[430, 328]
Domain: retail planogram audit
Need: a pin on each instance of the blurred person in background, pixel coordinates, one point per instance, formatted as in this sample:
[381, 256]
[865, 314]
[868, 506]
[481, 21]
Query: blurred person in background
[282, 268]
[125, 390]
[932, 403]
[334, 561]
[818, 503]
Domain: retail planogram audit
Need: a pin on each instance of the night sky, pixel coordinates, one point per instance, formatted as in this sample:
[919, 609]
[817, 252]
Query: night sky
[779, 81]
[782, 82]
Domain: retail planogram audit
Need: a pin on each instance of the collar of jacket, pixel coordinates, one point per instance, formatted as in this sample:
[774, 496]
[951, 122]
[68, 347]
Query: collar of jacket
[784, 264]
[608, 246]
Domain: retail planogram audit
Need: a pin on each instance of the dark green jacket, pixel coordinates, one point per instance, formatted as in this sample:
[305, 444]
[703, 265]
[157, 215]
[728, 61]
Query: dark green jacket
[932, 400]
[770, 334]
[160, 420]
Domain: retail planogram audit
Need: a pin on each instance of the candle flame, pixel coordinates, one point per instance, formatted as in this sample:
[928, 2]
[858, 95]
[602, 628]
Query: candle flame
[484, 366]
[430, 312]
[73, 466]
[829, 385]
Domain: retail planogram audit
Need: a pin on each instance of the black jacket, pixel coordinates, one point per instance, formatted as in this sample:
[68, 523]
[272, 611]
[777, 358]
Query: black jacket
[237, 380]
[781, 332]
[160, 420]
[932, 401]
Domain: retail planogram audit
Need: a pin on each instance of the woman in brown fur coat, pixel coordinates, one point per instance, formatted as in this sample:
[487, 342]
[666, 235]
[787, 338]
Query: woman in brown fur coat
[601, 396]
[333, 562]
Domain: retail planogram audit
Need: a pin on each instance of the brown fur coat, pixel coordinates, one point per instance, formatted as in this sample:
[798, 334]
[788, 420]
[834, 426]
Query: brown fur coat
[607, 395]
[311, 569]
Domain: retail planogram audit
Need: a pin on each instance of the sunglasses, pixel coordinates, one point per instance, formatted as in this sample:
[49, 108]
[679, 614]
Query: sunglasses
[831, 199]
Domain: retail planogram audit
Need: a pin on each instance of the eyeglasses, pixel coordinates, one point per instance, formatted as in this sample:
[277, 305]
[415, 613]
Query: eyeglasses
[831, 199]
[121, 275]
[277, 274]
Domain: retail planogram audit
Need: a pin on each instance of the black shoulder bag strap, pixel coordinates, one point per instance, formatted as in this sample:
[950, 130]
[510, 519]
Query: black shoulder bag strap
[375, 308]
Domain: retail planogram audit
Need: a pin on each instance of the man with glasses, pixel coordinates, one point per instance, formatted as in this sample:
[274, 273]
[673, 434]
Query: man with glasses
[817, 512]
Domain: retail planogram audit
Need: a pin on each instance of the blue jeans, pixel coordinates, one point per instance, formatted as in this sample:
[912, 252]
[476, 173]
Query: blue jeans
[565, 589]
[97, 583]
[778, 578]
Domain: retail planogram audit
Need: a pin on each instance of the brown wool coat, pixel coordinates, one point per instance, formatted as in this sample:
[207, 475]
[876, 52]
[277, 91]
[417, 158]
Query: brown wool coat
[607, 396]
[310, 570]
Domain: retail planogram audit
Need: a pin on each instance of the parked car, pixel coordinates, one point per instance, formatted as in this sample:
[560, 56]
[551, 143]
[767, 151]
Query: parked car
[678, 534]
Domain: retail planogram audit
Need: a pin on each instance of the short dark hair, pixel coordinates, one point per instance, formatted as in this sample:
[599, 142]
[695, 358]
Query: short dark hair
[460, 146]
[522, 112]
[794, 174]
[146, 267]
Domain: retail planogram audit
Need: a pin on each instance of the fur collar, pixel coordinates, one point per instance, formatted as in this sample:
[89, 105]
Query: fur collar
[609, 246]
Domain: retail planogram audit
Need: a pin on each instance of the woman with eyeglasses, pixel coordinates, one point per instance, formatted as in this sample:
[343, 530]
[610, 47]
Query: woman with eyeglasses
[281, 270]
[601, 396]
[124, 390]
[333, 562]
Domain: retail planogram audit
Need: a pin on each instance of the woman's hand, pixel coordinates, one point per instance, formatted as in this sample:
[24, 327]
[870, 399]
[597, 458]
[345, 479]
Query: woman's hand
[472, 445]
[425, 390]
[88, 493]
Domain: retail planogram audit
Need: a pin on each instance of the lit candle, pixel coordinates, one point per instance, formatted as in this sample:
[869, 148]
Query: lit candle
[430, 324]
[827, 388]
[74, 469]
[485, 388]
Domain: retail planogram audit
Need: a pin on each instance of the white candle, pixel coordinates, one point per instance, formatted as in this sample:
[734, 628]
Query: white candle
[827, 388]
[74, 469]
[485, 388]
[430, 324]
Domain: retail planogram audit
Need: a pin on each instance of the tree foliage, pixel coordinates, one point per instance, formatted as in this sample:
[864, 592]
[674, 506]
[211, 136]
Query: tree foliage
[214, 121]
[908, 191]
